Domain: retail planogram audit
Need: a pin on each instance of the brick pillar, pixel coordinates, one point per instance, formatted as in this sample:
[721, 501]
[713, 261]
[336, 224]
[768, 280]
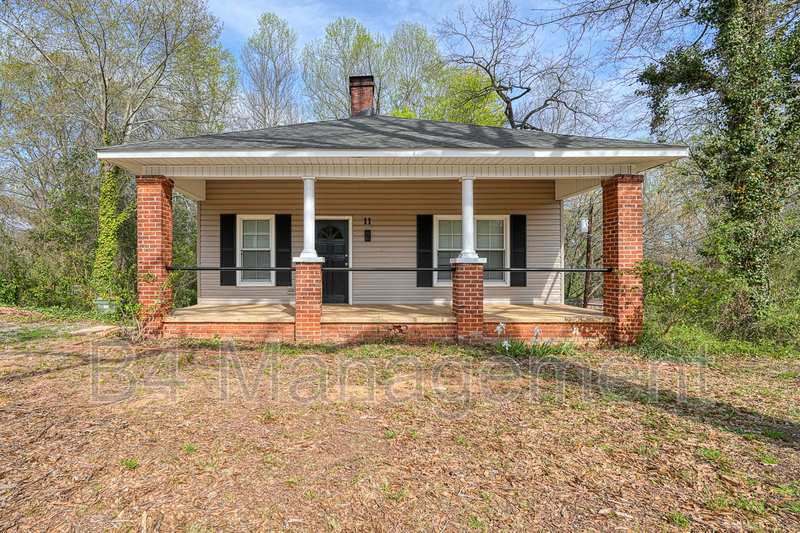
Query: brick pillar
[154, 250]
[468, 301]
[308, 301]
[622, 249]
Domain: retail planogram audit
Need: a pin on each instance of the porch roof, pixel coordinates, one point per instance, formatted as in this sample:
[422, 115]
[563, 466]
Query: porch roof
[379, 132]
[383, 141]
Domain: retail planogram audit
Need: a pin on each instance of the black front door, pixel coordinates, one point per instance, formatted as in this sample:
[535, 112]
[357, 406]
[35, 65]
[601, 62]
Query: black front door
[333, 246]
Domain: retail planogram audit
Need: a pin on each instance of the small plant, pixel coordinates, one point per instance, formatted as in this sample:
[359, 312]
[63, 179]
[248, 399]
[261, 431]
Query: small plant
[711, 455]
[334, 524]
[750, 506]
[390, 434]
[309, 495]
[765, 458]
[414, 433]
[268, 459]
[774, 434]
[476, 523]
[461, 441]
[130, 462]
[395, 496]
[271, 416]
[293, 482]
[792, 489]
[189, 448]
[648, 450]
[678, 518]
[716, 502]
[537, 348]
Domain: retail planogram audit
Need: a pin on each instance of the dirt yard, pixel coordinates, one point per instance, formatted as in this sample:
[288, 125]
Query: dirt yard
[200, 437]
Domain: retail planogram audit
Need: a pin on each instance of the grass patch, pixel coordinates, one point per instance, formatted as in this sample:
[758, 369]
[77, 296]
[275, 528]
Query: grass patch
[32, 334]
[476, 523]
[774, 434]
[678, 518]
[397, 495]
[765, 458]
[189, 448]
[677, 347]
[130, 463]
[749, 506]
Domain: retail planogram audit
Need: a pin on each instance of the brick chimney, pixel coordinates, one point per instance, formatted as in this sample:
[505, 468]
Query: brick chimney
[362, 92]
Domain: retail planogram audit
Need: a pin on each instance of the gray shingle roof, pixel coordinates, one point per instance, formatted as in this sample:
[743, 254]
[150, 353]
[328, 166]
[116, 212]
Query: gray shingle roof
[384, 132]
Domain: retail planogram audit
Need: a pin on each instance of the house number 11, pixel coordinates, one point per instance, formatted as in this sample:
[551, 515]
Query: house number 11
[367, 221]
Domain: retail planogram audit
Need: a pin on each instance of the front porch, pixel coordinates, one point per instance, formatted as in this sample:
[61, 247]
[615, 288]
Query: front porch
[410, 323]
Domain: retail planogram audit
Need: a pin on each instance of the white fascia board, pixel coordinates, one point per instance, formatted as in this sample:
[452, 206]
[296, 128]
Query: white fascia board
[676, 153]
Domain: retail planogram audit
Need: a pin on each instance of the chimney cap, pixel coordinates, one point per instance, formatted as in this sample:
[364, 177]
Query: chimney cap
[362, 81]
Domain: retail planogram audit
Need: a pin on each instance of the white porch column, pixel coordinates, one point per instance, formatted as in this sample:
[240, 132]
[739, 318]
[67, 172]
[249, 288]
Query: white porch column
[309, 253]
[467, 254]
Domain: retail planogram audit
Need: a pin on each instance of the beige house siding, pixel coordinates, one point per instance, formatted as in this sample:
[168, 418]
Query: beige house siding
[393, 207]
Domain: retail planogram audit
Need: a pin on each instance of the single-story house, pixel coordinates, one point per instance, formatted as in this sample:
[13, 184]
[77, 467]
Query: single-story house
[376, 226]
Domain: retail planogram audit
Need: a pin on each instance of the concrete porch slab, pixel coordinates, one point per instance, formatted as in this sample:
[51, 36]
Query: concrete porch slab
[251, 314]
[387, 314]
[550, 314]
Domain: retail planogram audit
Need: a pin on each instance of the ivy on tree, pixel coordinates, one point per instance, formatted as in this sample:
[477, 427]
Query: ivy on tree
[745, 66]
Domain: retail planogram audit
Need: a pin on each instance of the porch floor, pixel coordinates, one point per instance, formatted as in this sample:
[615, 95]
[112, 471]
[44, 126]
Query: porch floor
[386, 314]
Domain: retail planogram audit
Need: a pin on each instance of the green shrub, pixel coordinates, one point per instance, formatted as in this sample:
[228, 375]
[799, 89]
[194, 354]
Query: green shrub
[678, 292]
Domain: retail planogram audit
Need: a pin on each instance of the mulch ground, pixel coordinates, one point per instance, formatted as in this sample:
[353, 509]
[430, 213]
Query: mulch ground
[100, 436]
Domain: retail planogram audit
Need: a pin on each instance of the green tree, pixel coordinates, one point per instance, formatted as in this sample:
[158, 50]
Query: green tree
[103, 74]
[746, 72]
[451, 99]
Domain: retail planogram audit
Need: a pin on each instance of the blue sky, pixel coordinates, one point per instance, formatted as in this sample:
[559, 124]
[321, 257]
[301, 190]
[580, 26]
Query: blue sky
[309, 17]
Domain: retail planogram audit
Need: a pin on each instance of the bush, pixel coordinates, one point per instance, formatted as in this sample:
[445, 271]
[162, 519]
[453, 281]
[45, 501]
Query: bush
[681, 293]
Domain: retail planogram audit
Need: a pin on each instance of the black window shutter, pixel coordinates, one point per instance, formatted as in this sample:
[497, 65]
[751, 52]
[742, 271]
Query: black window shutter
[425, 250]
[519, 250]
[227, 249]
[283, 249]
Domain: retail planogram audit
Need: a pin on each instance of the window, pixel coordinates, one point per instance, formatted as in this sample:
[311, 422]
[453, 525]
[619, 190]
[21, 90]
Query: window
[449, 246]
[255, 243]
[491, 243]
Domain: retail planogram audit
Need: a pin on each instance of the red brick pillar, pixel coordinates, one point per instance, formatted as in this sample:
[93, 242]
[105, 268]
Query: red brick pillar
[622, 249]
[468, 301]
[154, 250]
[308, 302]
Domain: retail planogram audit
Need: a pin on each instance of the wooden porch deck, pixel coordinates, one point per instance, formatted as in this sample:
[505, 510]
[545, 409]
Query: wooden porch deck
[386, 314]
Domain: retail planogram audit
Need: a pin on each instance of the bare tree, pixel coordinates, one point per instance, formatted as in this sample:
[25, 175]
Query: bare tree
[542, 87]
[271, 74]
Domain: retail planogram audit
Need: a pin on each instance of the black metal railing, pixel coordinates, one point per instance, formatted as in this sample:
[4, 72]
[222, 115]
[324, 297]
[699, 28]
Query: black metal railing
[384, 269]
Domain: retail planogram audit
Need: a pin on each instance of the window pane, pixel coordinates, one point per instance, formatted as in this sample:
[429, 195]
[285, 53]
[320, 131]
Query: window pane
[249, 227]
[253, 260]
[493, 260]
[263, 227]
[450, 234]
[263, 241]
[444, 262]
[490, 234]
[248, 241]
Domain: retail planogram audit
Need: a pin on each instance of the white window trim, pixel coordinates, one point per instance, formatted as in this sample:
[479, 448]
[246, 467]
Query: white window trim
[259, 282]
[506, 248]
